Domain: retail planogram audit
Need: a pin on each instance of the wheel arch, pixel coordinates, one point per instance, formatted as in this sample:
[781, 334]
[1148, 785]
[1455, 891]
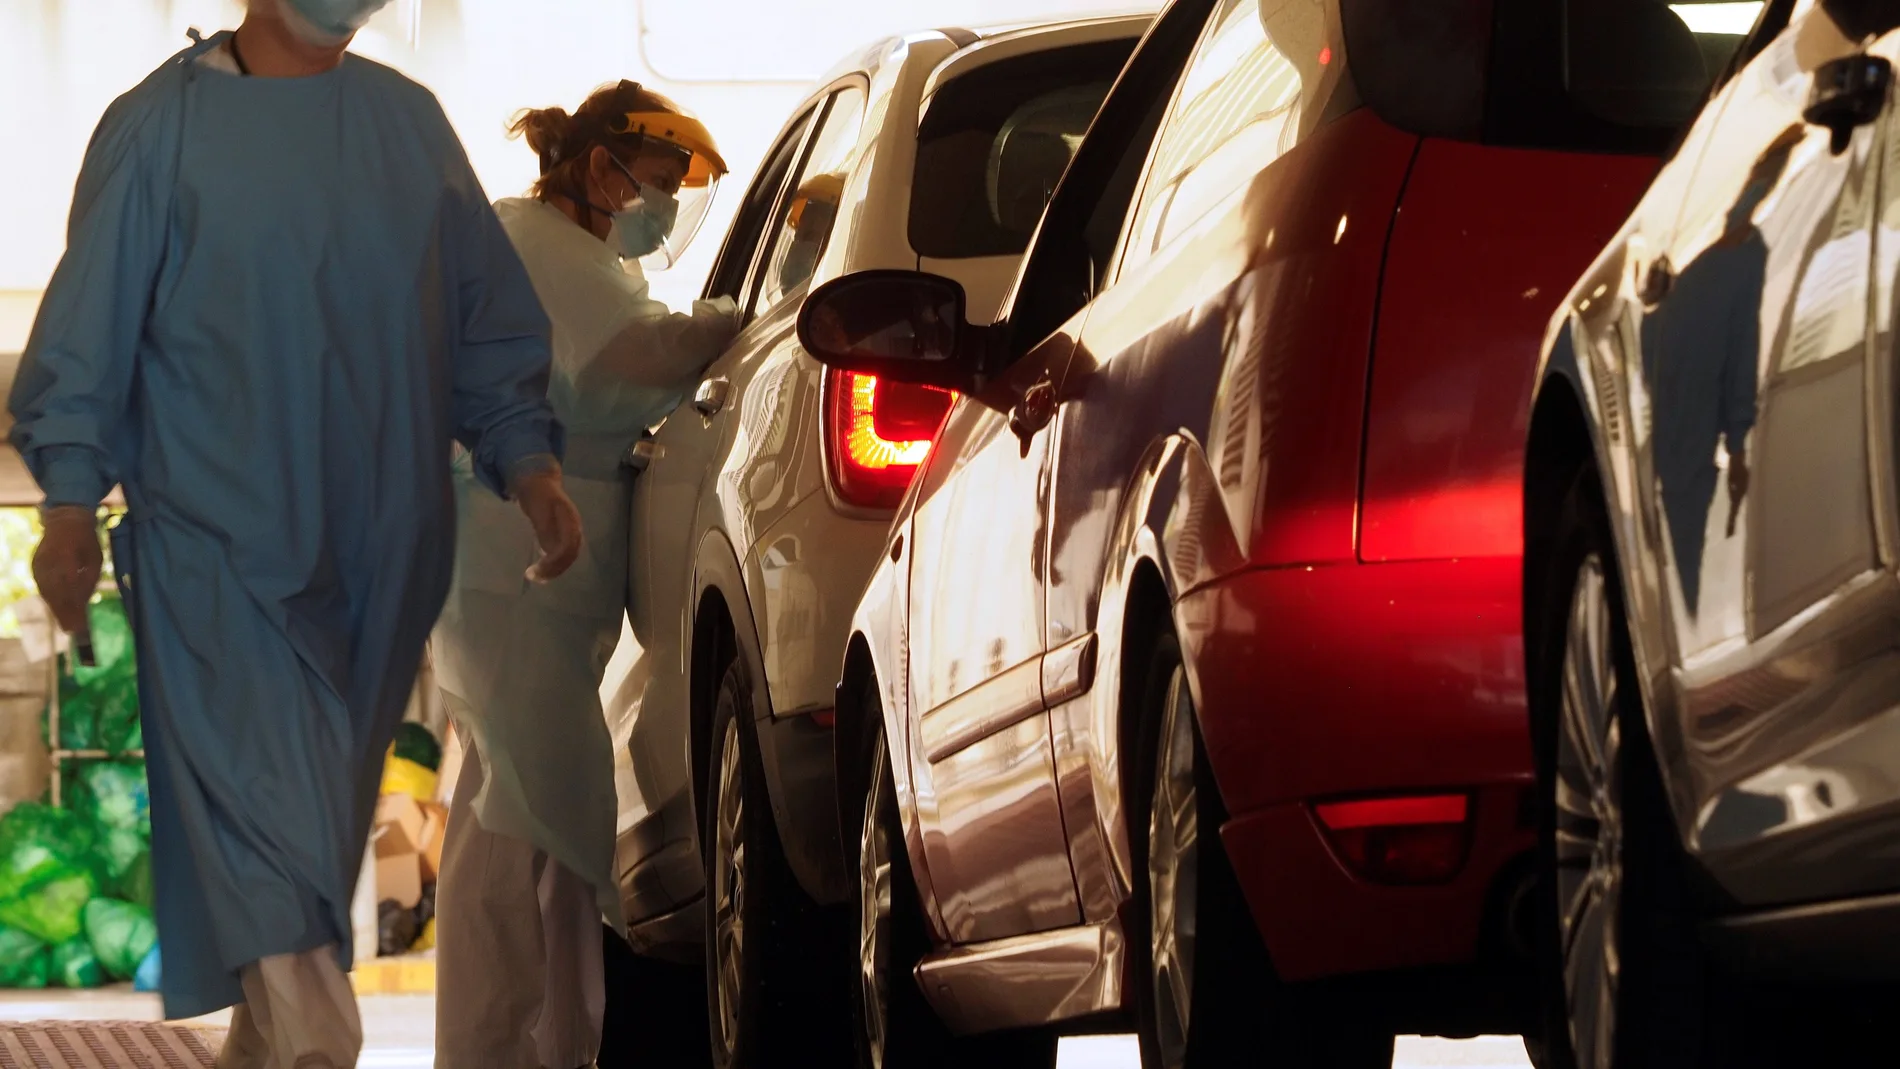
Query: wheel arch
[721, 629]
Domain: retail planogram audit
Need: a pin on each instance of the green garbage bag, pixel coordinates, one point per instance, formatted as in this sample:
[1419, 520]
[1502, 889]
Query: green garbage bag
[78, 716]
[415, 743]
[119, 849]
[24, 962]
[111, 641]
[121, 934]
[39, 843]
[112, 794]
[52, 911]
[135, 885]
[76, 966]
[117, 702]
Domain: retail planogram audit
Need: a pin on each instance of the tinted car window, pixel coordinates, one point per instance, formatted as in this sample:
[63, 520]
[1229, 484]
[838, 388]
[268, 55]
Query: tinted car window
[804, 227]
[1264, 75]
[994, 143]
[1571, 75]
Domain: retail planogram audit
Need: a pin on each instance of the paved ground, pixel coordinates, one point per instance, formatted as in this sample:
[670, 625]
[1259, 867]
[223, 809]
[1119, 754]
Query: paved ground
[399, 1033]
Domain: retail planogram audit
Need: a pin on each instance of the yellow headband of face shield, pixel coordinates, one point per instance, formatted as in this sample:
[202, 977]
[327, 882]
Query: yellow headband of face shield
[686, 133]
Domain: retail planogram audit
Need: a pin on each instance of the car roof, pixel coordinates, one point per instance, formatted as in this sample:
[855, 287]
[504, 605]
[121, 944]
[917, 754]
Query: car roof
[1032, 35]
[1007, 42]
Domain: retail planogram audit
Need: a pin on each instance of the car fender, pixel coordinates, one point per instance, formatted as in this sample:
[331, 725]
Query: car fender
[1175, 524]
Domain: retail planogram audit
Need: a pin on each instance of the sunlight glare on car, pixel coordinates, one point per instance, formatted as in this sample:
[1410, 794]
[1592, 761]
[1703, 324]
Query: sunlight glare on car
[1733, 18]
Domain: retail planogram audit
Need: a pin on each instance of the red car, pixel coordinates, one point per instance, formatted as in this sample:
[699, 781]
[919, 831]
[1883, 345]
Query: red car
[1223, 534]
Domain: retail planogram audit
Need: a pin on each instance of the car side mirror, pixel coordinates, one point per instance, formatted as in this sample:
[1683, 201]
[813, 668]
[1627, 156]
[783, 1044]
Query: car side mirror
[904, 326]
[1848, 93]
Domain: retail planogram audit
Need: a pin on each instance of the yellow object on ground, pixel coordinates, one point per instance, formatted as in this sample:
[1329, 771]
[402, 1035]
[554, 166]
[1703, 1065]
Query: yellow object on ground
[427, 940]
[410, 974]
[403, 776]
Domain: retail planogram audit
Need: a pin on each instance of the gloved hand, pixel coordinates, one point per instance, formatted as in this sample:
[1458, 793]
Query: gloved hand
[67, 565]
[557, 523]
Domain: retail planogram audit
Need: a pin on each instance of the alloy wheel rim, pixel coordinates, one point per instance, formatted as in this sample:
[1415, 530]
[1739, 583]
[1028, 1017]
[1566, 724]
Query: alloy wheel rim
[729, 889]
[1589, 825]
[874, 915]
[1173, 868]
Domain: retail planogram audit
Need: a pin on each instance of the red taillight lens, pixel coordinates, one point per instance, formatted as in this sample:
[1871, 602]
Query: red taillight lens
[879, 433]
[1415, 839]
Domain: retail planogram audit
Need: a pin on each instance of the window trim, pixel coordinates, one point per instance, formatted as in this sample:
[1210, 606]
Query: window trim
[794, 175]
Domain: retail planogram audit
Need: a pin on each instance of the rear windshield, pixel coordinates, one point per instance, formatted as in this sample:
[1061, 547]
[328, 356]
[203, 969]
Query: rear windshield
[995, 141]
[1620, 76]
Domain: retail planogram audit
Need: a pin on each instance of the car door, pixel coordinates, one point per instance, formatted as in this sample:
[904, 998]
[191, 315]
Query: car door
[665, 524]
[1756, 386]
[980, 750]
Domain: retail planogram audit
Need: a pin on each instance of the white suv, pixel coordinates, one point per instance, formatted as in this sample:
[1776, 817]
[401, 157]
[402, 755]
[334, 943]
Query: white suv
[766, 499]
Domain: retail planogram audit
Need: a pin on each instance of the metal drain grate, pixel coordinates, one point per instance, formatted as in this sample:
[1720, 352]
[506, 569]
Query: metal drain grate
[105, 1045]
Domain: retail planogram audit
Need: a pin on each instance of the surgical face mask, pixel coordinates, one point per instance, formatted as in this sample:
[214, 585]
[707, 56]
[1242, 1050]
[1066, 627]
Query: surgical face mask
[644, 226]
[328, 22]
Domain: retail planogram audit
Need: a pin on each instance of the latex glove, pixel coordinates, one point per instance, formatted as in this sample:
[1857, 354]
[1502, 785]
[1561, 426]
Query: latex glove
[1737, 487]
[557, 523]
[67, 566]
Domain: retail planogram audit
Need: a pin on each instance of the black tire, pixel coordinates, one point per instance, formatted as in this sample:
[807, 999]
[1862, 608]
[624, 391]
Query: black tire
[772, 977]
[895, 1026]
[656, 1011]
[1622, 877]
[1213, 960]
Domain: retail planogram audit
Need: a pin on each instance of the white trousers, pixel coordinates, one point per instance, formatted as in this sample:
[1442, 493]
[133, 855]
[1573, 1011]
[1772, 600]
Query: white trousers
[299, 1012]
[519, 979]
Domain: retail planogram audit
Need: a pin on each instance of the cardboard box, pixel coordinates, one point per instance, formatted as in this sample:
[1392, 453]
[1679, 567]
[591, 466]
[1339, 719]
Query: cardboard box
[399, 877]
[399, 822]
[435, 828]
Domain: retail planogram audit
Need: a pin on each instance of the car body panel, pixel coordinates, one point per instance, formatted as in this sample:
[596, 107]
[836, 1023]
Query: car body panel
[1473, 271]
[1769, 676]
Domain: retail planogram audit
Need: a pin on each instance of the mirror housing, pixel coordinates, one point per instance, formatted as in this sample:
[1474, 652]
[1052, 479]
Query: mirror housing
[904, 326]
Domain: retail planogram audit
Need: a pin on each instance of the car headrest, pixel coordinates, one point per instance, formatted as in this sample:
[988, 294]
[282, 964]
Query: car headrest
[1032, 150]
[1634, 62]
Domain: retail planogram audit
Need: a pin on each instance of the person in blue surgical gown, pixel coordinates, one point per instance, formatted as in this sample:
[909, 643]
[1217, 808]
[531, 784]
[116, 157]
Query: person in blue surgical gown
[527, 864]
[284, 295]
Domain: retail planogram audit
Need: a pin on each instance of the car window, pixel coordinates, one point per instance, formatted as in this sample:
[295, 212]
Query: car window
[994, 142]
[1076, 242]
[737, 255]
[1617, 76]
[1263, 76]
[806, 222]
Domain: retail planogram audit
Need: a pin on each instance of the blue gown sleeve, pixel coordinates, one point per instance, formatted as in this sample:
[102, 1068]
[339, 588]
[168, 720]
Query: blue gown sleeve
[71, 397]
[501, 410]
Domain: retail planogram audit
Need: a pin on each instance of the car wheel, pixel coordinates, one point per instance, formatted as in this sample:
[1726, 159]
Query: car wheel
[769, 969]
[897, 1029]
[1631, 986]
[1204, 984]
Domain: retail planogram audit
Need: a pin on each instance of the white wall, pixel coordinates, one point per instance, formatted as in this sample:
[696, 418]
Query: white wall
[741, 64]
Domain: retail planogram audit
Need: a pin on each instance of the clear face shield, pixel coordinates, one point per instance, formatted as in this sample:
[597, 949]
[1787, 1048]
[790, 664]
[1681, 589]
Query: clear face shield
[686, 140]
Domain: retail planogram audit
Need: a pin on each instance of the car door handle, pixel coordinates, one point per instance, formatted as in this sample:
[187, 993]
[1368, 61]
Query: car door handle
[1658, 282]
[1848, 93]
[1034, 412]
[712, 397]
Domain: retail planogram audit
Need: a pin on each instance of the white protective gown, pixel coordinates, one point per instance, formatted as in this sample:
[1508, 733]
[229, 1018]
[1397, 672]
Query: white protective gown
[521, 665]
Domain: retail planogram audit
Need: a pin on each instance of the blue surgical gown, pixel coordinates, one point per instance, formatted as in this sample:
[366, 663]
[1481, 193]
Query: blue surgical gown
[280, 301]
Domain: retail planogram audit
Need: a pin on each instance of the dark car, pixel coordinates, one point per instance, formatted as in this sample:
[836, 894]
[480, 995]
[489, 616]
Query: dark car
[1191, 684]
[1711, 606]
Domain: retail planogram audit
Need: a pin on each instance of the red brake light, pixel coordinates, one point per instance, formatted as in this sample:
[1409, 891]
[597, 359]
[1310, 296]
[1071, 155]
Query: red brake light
[1416, 839]
[878, 434]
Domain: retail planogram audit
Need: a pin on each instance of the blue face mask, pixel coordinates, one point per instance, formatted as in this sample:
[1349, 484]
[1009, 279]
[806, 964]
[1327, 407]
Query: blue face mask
[641, 229]
[335, 19]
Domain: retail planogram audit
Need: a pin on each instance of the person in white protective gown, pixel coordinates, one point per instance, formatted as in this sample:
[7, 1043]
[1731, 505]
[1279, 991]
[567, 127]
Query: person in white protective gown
[527, 867]
[284, 294]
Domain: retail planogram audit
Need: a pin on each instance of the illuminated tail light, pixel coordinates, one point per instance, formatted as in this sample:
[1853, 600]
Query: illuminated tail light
[1415, 839]
[878, 434]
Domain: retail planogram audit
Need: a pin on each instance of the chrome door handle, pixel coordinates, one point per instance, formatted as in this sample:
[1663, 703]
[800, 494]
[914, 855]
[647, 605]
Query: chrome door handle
[712, 397]
[1034, 412]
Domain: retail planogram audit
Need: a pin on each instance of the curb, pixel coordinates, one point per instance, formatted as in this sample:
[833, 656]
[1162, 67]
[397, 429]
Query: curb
[395, 976]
